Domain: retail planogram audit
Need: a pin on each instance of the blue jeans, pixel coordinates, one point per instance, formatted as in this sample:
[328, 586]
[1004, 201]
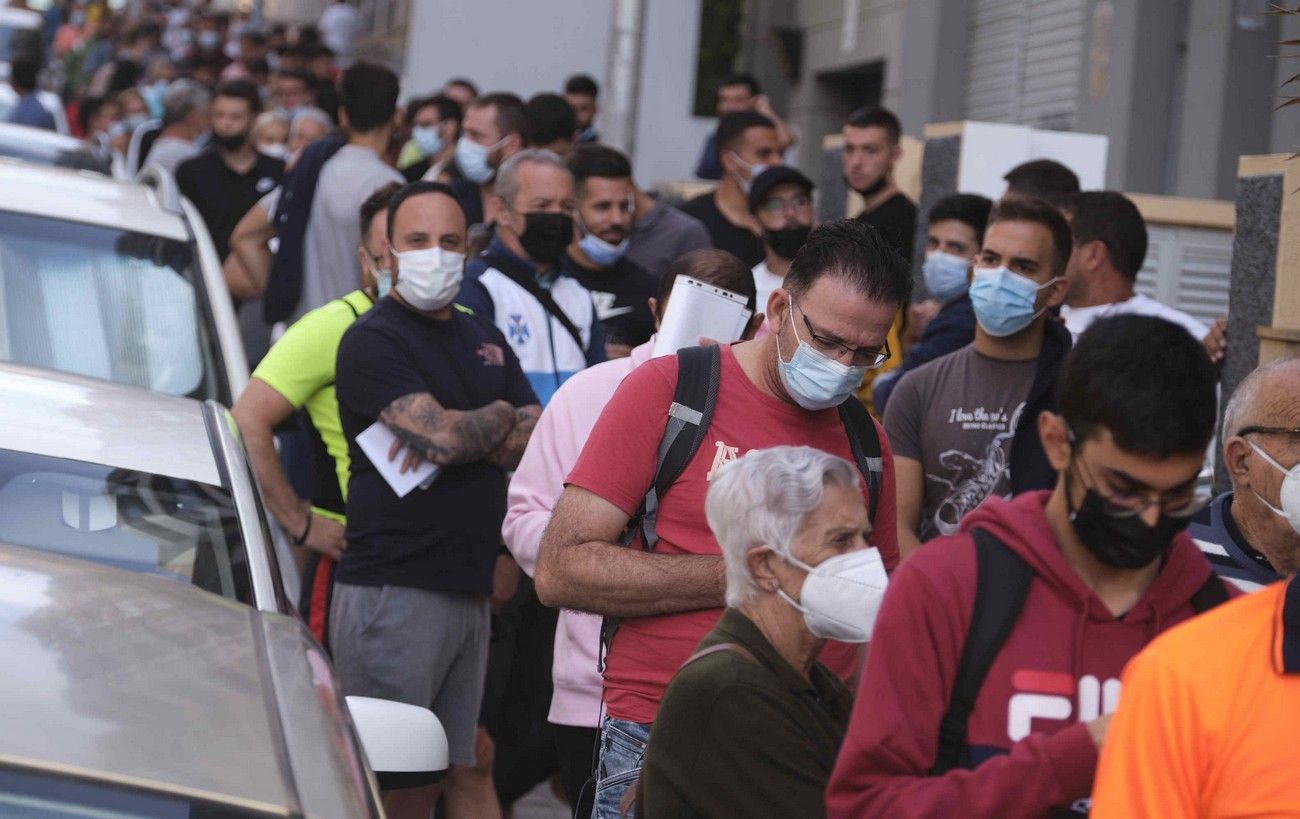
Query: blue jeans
[622, 748]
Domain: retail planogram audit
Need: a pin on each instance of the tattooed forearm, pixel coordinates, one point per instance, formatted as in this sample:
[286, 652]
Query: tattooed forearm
[512, 448]
[447, 437]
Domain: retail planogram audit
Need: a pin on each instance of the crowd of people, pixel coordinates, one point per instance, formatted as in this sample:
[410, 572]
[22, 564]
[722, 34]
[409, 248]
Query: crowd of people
[652, 576]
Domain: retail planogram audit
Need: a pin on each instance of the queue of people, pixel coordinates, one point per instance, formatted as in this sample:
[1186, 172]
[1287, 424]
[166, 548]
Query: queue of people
[700, 578]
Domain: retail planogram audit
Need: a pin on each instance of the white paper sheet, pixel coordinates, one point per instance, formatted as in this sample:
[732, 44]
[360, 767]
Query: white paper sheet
[375, 441]
[696, 310]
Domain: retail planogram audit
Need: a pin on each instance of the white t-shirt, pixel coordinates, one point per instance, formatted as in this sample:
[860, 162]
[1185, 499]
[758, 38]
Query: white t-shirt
[339, 26]
[1079, 318]
[765, 282]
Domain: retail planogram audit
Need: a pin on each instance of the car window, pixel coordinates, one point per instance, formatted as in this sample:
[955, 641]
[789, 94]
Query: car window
[141, 522]
[105, 303]
[31, 795]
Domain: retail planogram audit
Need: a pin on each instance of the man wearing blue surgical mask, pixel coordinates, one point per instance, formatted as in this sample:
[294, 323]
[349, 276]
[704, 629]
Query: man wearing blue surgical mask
[830, 322]
[964, 426]
[492, 132]
[953, 237]
[435, 127]
[747, 145]
[606, 209]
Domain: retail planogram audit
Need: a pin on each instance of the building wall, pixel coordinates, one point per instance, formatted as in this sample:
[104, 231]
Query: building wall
[524, 48]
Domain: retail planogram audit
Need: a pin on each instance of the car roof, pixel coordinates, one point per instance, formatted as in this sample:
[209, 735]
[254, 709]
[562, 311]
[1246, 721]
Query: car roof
[136, 680]
[45, 147]
[82, 196]
[85, 419]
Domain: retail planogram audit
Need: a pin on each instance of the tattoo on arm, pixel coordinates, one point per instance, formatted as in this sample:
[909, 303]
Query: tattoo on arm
[507, 455]
[448, 437]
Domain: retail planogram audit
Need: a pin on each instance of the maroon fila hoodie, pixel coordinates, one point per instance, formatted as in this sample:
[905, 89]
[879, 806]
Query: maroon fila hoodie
[1059, 668]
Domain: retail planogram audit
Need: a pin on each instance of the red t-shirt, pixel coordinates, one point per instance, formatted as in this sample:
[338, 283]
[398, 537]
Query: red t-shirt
[618, 464]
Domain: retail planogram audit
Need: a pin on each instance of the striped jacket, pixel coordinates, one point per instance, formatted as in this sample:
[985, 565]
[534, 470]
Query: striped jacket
[1218, 537]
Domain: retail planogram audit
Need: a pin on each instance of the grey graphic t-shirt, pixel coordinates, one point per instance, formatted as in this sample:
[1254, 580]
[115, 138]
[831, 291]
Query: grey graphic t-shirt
[957, 415]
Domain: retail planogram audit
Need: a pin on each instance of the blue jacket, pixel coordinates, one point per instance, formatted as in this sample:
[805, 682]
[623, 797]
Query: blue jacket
[546, 351]
[1223, 544]
[952, 328]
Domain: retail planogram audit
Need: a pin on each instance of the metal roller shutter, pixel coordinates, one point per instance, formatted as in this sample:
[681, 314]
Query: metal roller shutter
[1188, 268]
[1025, 61]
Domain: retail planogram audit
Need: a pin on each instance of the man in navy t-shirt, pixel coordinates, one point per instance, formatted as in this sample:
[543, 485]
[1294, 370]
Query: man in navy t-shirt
[409, 617]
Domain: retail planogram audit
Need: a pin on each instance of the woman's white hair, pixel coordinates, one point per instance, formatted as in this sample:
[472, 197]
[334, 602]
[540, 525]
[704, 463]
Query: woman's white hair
[763, 499]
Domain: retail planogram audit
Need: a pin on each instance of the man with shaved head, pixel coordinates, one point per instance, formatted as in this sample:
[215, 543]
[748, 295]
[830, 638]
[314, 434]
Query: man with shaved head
[1252, 534]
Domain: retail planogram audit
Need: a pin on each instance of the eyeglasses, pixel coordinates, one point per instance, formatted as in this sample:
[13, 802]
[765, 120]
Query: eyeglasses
[1182, 503]
[775, 207]
[869, 357]
[1269, 431]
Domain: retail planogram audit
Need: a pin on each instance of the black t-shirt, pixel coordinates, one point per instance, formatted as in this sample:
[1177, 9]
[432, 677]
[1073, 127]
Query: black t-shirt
[896, 221]
[223, 196]
[621, 293]
[738, 241]
[444, 538]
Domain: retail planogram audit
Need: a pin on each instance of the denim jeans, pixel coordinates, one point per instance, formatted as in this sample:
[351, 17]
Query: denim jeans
[622, 748]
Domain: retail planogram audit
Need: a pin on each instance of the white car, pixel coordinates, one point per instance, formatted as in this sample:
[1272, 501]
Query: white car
[136, 480]
[41, 147]
[129, 696]
[115, 280]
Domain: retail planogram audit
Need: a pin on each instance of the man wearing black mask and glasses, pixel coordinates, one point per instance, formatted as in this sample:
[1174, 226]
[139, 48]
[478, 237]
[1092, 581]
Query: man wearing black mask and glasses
[780, 199]
[996, 657]
[518, 283]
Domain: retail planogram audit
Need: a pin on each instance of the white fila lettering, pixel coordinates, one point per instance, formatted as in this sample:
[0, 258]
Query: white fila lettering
[1050, 695]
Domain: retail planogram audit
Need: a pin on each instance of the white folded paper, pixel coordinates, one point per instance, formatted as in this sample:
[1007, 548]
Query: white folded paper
[375, 440]
[696, 310]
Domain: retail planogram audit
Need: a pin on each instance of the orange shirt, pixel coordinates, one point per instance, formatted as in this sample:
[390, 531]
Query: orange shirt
[1209, 721]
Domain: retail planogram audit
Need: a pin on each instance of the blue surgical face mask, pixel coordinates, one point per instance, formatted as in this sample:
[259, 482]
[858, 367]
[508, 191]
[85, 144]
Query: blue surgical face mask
[814, 381]
[945, 275]
[427, 139]
[1004, 301]
[754, 171]
[209, 40]
[473, 160]
[600, 251]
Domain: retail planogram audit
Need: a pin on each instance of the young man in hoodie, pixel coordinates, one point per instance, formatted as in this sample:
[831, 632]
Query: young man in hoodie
[1105, 566]
[537, 484]
[963, 427]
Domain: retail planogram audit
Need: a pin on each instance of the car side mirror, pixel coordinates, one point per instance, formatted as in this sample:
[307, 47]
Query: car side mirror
[405, 744]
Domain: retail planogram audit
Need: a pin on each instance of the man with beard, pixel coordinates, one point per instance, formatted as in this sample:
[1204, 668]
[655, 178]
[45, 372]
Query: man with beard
[620, 288]
[870, 152]
[781, 200]
[230, 176]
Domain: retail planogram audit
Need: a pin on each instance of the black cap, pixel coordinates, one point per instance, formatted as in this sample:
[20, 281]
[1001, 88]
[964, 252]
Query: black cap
[763, 184]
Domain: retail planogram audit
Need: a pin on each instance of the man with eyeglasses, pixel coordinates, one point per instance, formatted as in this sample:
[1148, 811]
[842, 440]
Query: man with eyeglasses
[1209, 711]
[780, 199]
[829, 324]
[996, 656]
[1251, 535]
[964, 426]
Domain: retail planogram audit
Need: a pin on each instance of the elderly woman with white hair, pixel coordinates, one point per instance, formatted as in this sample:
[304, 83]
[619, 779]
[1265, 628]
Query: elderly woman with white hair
[751, 724]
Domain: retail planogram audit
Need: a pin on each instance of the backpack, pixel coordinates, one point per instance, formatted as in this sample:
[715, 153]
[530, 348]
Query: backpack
[699, 373]
[284, 282]
[1002, 580]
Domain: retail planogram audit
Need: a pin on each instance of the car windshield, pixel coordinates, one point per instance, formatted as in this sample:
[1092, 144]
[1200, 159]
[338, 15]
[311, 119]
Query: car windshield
[29, 795]
[154, 524]
[15, 144]
[108, 303]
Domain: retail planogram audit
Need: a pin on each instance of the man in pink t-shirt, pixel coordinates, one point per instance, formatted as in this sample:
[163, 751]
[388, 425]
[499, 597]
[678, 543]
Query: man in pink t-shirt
[537, 484]
[830, 323]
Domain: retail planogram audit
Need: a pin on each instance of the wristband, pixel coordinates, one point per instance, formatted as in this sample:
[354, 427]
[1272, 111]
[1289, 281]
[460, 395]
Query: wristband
[301, 539]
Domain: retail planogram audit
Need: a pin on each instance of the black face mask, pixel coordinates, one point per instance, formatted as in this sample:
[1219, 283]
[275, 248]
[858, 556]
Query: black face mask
[872, 190]
[232, 142]
[1122, 542]
[546, 235]
[787, 241]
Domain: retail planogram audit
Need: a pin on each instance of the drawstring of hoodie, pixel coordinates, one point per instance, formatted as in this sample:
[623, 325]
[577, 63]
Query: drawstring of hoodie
[1076, 663]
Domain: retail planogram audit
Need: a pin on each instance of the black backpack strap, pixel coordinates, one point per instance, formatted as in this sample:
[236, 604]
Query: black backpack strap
[864, 440]
[699, 372]
[523, 277]
[1002, 581]
[1211, 593]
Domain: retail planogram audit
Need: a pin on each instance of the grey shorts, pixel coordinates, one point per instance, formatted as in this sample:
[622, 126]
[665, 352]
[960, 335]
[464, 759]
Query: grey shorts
[415, 646]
